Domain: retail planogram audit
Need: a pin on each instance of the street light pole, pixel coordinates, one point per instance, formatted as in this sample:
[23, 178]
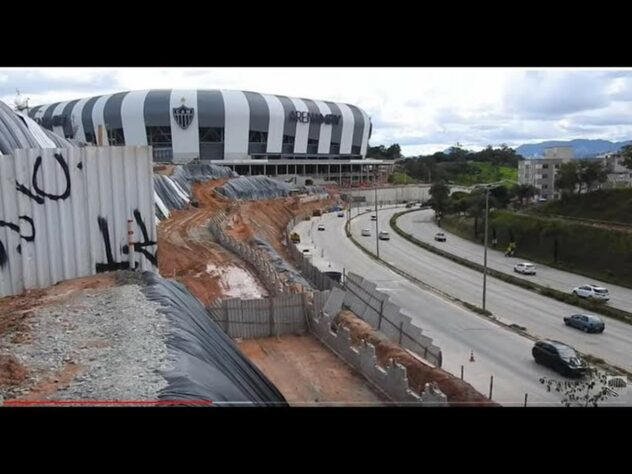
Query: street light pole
[485, 253]
[377, 240]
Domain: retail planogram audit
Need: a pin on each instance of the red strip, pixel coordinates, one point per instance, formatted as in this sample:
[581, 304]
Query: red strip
[107, 402]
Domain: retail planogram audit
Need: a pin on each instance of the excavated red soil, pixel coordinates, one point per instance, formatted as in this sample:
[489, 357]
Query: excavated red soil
[11, 371]
[306, 372]
[186, 246]
[269, 219]
[459, 393]
[52, 383]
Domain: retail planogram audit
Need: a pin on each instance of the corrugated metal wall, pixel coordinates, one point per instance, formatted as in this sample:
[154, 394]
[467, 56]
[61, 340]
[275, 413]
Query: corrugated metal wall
[262, 317]
[64, 213]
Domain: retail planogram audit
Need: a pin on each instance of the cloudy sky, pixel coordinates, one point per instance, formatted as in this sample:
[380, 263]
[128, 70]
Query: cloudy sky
[422, 109]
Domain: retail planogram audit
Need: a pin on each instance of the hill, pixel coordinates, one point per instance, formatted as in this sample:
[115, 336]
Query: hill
[614, 205]
[582, 148]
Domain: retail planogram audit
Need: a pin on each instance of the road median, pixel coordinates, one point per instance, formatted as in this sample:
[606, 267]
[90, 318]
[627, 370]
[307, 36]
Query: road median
[595, 307]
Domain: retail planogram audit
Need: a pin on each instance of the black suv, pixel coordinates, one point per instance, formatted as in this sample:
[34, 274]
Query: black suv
[559, 357]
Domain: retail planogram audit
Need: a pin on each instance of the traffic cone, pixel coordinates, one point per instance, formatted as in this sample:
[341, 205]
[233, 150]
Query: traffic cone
[471, 356]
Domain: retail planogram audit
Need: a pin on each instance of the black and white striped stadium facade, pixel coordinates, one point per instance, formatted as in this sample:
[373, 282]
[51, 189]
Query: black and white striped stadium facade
[235, 128]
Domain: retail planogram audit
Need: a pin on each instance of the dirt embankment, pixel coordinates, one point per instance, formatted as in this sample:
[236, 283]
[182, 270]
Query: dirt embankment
[307, 372]
[268, 219]
[188, 253]
[459, 393]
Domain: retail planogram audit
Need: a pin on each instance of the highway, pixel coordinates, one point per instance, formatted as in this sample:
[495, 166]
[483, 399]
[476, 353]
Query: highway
[421, 225]
[498, 351]
[540, 315]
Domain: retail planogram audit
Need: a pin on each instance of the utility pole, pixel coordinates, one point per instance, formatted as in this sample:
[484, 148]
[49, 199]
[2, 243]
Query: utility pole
[485, 252]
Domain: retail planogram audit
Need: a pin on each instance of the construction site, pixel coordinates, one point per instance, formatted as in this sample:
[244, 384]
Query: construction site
[123, 281]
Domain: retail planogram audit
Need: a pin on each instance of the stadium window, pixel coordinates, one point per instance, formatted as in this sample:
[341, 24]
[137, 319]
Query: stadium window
[257, 137]
[288, 140]
[115, 137]
[158, 136]
[211, 135]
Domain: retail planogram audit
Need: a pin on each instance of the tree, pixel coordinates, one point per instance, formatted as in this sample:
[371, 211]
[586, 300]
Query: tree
[523, 192]
[440, 197]
[626, 152]
[501, 196]
[589, 391]
[591, 172]
[393, 152]
[567, 177]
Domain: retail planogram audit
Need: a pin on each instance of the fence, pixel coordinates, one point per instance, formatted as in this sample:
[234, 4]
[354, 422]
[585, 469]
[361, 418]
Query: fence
[265, 270]
[374, 307]
[370, 305]
[64, 213]
[315, 276]
[274, 316]
[391, 379]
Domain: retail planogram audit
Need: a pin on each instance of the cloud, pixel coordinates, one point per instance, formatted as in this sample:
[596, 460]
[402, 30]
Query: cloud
[538, 94]
[419, 108]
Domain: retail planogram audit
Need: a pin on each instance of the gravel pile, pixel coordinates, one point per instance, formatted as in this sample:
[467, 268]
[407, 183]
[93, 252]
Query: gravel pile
[106, 344]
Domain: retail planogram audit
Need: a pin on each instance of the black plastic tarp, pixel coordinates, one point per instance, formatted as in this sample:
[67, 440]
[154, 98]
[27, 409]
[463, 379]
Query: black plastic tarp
[186, 174]
[254, 187]
[205, 363]
[174, 191]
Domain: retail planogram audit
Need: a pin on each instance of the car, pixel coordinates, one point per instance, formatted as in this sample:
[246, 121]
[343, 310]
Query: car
[366, 232]
[560, 357]
[373, 217]
[336, 276]
[341, 214]
[440, 237]
[368, 209]
[585, 322]
[384, 235]
[321, 226]
[525, 268]
[409, 205]
[592, 291]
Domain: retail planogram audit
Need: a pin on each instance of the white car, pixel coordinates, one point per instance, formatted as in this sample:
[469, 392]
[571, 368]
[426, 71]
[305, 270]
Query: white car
[525, 268]
[366, 232]
[321, 226]
[592, 291]
[384, 235]
[440, 237]
[373, 217]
